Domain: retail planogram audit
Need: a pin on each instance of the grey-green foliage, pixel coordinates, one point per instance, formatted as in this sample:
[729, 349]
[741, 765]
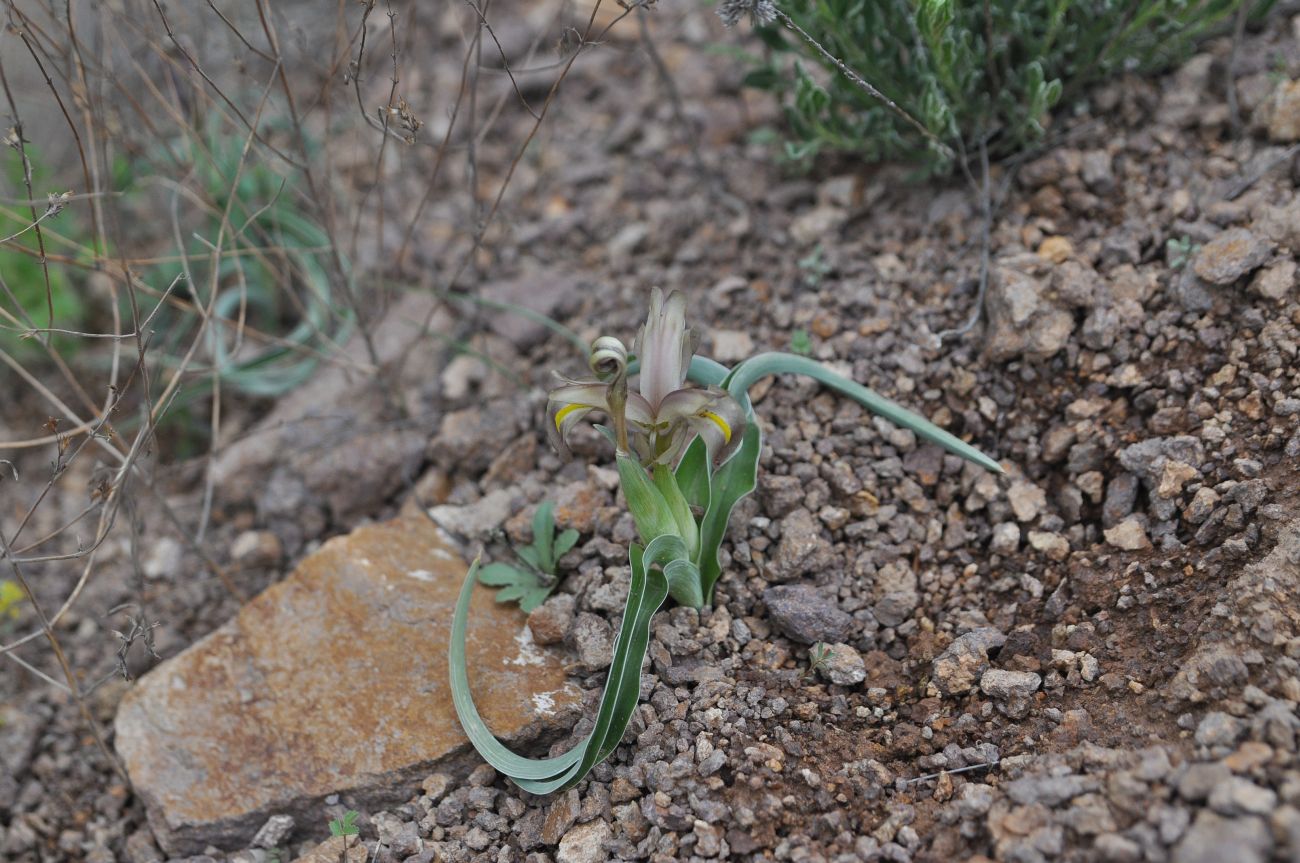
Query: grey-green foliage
[967, 71]
[531, 584]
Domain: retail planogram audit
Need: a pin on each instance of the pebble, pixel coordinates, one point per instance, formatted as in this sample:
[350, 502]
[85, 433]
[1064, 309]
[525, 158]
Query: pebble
[1005, 539]
[1238, 796]
[273, 833]
[593, 639]
[585, 843]
[807, 614]
[1027, 500]
[1219, 729]
[552, 621]
[956, 670]
[842, 665]
[1231, 255]
[1128, 535]
[1004, 684]
[1215, 839]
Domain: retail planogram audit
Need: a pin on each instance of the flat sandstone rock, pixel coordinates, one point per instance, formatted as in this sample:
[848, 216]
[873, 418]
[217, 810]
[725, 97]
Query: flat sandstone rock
[332, 681]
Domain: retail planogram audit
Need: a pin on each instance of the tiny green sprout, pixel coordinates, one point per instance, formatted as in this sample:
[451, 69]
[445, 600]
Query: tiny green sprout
[818, 654]
[800, 343]
[531, 584]
[686, 445]
[814, 266]
[1179, 251]
[347, 825]
[10, 595]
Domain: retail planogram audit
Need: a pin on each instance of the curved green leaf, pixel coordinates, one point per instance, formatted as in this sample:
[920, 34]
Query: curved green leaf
[647, 591]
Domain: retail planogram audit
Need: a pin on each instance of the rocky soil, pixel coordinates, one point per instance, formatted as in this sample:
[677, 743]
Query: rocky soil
[1094, 658]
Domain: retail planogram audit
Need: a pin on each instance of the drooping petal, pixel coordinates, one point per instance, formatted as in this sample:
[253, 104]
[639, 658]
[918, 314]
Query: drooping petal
[566, 406]
[721, 424]
[663, 347]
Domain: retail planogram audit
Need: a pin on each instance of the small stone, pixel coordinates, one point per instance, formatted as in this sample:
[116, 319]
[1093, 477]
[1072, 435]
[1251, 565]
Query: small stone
[1056, 249]
[816, 224]
[1203, 503]
[1114, 848]
[806, 614]
[1284, 113]
[732, 346]
[801, 538]
[1198, 780]
[1219, 729]
[551, 621]
[593, 639]
[956, 669]
[585, 843]
[1250, 755]
[842, 665]
[1022, 319]
[337, 849]
[164, 559]
[1239, 796]
[1121, 496]
[561, 816]
[1173, 477]
[1053, 545]
[476, 520]
[1274, 282]
[1128, 535]
[1231, 255]
[1215, 839]
[256, 548]
[1027, 500]
[1005, 539]
[1000, 683]
[273, 833]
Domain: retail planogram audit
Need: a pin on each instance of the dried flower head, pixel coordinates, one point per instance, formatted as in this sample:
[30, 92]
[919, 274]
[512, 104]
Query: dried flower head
[760, 12]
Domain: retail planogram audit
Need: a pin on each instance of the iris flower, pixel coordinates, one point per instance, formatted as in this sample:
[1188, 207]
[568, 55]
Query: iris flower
[657, 423]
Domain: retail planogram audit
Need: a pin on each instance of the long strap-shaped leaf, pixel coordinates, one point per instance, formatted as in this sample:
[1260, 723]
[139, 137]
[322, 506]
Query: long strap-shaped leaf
[760, 366]
[732, 481]
[646, 594]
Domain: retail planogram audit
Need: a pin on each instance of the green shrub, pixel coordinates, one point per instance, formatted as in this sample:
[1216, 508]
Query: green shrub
[967, 71]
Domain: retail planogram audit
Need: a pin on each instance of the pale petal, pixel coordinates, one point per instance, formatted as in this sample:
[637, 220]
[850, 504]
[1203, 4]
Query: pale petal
[567, 405]
[638, 410]
[663, 347]
[722, 425]
[686, 402]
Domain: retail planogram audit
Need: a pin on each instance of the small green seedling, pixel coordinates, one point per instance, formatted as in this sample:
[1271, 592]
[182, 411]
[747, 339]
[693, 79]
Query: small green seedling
[10, 595]
[347, 825]
[800, 343]
[814, 266]
[818, 655]
[1179, 251]
[531, 584]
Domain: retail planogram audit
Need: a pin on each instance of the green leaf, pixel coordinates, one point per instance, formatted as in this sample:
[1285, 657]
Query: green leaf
[544, 530]
[693, 474]
[347, 826]
[647, 590]
[758, 367]
[731, 482]
[649, 509]
[533, 557]
[564, 542]
[533, 598]
[499, 574]
[666, 482]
